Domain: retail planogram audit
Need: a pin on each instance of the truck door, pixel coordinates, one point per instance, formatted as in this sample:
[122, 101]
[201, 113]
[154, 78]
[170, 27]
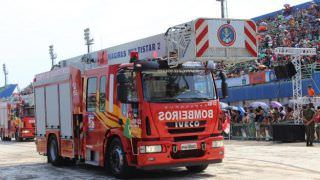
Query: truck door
[95, 103]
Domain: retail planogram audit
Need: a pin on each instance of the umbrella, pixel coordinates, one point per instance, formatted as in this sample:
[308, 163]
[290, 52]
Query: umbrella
[263, 24]
[223, 105]
[242, 111]
[262, 28]
[237, 108]
[234, 108]
[287, 5]
[275, 104]
[257, 104]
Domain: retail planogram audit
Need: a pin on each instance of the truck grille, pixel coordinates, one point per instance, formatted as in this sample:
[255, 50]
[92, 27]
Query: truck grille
[189, 130]
[172, 129]
[185, 138]
[188, 154]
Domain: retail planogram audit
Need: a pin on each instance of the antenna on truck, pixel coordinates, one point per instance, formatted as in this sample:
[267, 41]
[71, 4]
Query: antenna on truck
[88, 39]
[53, 55]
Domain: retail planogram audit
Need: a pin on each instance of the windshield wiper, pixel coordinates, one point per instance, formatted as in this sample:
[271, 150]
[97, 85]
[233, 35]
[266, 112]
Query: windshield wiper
[194, 99]
[165, 100]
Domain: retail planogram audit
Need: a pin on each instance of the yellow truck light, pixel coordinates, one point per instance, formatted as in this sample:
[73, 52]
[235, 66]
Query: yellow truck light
[151, 149]
[217, 144]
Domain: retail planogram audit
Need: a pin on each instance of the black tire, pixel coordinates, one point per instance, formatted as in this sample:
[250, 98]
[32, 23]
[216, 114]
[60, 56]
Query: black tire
[197, 169]
[53, 152]
[116, 161]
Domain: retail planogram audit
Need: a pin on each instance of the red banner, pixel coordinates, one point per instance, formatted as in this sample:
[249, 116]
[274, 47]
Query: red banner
[257, 77]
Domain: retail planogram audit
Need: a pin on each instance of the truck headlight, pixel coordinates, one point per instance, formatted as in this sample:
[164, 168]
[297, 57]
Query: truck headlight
[217, 144]
[151, 149]
[25, 131]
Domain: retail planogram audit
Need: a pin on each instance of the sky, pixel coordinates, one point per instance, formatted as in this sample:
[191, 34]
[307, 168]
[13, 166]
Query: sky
[28, 27]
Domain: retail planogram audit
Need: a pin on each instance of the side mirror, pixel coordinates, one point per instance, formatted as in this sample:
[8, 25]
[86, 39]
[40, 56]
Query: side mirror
[121, 78]
[122, 89]
[224, 84]
[122, 93]
[224, 89]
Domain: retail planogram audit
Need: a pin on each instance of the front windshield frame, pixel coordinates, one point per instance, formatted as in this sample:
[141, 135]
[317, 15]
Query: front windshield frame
[206, 73]
[28, 112]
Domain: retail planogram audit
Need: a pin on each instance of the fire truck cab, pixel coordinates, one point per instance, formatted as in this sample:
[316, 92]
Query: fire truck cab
[25, 122]
[147, 104]
[17, 118]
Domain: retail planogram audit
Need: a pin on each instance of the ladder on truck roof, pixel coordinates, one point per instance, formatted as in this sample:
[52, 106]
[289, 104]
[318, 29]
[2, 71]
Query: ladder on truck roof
[204, 39]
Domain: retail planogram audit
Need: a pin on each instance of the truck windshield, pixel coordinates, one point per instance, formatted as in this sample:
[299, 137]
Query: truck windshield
[28, 112]
[178, 85]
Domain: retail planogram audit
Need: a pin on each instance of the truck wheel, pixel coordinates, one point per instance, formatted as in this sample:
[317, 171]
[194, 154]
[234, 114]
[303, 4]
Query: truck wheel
[53, 152]
[116, 161]
[197, 169]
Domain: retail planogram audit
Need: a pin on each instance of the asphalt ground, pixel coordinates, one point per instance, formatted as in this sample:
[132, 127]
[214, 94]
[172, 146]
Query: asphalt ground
[244, 160]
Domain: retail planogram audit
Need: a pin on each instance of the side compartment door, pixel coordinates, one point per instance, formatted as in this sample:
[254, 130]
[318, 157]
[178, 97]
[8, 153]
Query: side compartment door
[52, 106]
[66, 120]
[40, 117]
[40, 112]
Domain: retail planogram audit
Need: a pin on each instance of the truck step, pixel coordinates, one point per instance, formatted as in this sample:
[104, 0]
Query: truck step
[93, 163]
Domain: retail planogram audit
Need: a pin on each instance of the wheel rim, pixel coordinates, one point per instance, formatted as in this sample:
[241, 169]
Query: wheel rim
[53, 154]
[116, 159]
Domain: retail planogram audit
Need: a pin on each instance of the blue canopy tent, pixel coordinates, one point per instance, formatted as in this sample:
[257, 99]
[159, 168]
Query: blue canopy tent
[7, 91]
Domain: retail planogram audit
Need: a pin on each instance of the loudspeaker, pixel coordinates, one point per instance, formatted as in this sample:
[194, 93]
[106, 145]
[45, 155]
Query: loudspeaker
[281, 72]
[291, 70]
[285, 72]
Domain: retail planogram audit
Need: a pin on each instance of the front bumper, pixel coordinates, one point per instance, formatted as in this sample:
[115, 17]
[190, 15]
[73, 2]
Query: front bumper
[173, 156]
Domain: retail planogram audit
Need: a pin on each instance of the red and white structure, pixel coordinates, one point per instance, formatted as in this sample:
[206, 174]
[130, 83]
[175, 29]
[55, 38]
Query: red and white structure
[227, 39]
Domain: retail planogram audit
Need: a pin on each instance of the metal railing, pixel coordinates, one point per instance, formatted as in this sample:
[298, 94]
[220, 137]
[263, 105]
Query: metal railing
[253, 131]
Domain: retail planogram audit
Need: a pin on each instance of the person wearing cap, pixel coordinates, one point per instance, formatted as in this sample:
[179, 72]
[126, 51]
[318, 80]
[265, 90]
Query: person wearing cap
[308, 119]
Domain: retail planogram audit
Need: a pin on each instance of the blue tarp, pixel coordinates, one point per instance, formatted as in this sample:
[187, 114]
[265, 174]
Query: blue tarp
[281, 89]
[7, 91]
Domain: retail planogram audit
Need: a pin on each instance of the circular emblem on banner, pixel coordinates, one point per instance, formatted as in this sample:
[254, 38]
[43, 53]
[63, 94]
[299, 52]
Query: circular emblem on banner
[227, 35]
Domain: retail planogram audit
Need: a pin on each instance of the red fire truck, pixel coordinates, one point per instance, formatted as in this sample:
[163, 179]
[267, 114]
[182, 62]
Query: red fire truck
[17, 118]
[23, 114]
[148, 104]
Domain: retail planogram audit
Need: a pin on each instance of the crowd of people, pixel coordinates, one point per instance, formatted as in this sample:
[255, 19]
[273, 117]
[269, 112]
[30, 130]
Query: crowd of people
[292, 27]
[256, 123]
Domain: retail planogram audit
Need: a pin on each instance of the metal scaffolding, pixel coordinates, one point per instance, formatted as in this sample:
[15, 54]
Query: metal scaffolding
[296, 54]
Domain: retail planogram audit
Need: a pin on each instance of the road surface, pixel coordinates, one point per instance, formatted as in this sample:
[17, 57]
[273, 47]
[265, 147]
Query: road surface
[244, 160]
